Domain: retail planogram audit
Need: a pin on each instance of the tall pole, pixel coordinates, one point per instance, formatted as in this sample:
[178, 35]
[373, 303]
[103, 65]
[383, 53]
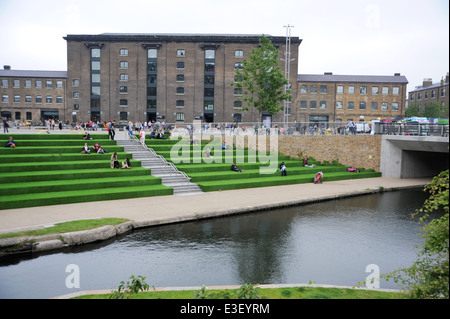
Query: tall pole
[287, 70]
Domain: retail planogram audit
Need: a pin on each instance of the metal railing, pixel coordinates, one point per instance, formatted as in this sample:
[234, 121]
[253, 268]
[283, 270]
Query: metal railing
[312, 128]
[414, 129]
[174, 170]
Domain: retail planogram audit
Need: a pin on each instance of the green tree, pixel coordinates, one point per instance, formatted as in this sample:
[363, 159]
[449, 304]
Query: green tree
[432, 109]
[428, 277]
[412, 110]
[261, 79]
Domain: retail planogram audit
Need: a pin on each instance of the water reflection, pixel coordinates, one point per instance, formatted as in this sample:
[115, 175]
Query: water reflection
[329, 242]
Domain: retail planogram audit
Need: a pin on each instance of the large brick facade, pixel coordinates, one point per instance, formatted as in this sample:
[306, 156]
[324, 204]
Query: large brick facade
[180, 75]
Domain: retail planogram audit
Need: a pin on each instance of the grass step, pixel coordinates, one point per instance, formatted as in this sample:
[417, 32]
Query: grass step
[59, 165]
[54, 150]
[79, 184]
[18, 177]
[279, 180]
[26, 158]
[204, 167]
[61, 142]
[52, 136]
[80, 196]
[255, 173]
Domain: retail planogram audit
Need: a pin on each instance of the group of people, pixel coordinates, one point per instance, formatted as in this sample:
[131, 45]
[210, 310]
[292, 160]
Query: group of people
[317, 178]
[96, 147]
[115, 162]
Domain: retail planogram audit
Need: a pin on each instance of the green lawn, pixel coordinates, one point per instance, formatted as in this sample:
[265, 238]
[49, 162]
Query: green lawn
[271, 293]
[65, 227]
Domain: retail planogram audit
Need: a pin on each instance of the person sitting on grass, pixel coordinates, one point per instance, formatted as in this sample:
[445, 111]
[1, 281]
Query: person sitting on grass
[207, 153]
[318, 178]
[114, 161]
[234, 168]
[283, 169]
[98, 148]
[10, 143]
[305, 162]
[127, 163]
[87, 136]
[86, 149]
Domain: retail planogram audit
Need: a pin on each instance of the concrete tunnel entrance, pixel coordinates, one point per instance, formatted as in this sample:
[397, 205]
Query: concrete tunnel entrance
[413, 157]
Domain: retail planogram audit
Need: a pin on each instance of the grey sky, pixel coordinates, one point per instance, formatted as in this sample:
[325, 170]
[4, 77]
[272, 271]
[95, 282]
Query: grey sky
[355, 37]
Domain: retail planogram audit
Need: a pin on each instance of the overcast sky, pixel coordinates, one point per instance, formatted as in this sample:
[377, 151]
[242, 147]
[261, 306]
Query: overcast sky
[353, 37]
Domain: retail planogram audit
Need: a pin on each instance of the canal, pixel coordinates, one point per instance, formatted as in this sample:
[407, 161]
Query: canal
[325, 243]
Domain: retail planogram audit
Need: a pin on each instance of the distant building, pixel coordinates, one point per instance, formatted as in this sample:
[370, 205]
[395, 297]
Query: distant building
[182, 77]
[340, 98]
[431, 92]
[32, 95]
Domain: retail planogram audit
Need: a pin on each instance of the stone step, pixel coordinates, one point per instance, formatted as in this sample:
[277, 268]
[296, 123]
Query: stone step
[160, 169]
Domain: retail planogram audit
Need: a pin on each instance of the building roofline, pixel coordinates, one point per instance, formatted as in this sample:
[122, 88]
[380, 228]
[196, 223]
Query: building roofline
[329, 77]
[33, 74]
[432, 86]
[177, 37]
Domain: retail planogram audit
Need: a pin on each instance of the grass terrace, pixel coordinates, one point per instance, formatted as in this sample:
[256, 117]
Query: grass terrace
[214, 174]
[49, 169]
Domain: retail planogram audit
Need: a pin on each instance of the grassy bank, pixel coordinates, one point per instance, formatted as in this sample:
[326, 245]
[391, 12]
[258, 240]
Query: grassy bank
[270, 293]
[66, 227]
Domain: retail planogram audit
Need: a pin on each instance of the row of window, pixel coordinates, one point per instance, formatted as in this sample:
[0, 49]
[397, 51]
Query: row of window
[420, 96]
[18, 116]
[350, 105]
[350, 89]
[28, 99]
[28, 84]
[152, 53]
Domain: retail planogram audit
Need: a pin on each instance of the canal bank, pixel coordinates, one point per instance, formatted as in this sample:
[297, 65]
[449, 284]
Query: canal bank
[153, 211]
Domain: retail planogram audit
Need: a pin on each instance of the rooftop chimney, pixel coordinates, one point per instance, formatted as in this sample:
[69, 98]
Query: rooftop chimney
[396, 74]
[6, 67]
[427, 82]
[328, 73]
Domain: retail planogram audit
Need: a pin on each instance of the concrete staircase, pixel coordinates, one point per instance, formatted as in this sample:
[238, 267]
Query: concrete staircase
[159, 167]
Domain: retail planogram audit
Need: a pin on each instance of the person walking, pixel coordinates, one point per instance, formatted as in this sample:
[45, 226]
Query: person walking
[5, 125]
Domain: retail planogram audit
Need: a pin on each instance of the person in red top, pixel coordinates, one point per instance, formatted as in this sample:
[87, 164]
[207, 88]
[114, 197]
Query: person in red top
[98, 148]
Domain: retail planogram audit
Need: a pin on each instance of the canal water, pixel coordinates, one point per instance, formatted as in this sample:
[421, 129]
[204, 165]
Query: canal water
[325, 243]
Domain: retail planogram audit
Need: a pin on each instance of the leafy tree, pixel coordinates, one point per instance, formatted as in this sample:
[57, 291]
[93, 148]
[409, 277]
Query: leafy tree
[261, 79]
[428, 277]
[412, 110]
[432, 109]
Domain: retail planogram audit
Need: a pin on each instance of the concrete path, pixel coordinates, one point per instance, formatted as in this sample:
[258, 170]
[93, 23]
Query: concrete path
[168, 209]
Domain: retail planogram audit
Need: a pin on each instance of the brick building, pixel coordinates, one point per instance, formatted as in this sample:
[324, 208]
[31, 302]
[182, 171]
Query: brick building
[431, 92]
[178, 78]
[32, 95]
[340, 98]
